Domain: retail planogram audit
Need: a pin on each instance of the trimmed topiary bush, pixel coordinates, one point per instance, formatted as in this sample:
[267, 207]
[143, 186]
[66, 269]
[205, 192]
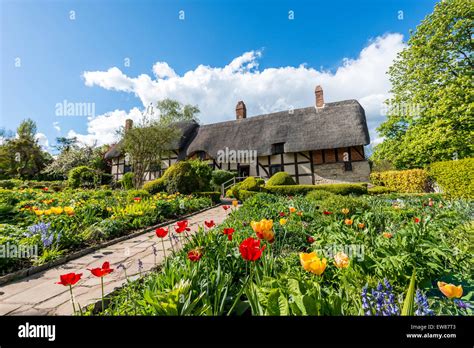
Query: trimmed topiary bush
[83, 176]
[179, 178]
[455, 178]
[220, 176]
[281, 178]
[244, 194]
[155, 186]
[341, 189]
[408, 181]
[379, 190]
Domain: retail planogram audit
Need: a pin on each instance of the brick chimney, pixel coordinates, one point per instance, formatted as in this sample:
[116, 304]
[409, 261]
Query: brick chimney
[319, 96]
[240, 110]
[128, 124]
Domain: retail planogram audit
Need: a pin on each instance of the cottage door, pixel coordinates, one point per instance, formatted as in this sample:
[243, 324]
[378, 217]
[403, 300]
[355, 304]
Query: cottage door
[244, 171]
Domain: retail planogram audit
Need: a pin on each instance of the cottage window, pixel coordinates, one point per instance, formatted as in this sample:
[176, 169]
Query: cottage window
[278, 148]
[275, 169]
[347, 166]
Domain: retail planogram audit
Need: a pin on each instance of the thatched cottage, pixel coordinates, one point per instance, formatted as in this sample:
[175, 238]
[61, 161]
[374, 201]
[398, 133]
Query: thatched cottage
[320, 143]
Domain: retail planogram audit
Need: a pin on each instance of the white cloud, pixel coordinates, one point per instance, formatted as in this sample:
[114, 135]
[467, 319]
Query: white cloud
[42, 141]
[216, 90]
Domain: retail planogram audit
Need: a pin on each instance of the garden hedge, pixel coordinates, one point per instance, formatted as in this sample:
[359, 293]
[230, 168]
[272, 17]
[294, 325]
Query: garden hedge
[214, 196]
[341, 189]
[220, 176]
[281, 178]
[379, 190]
[83, 176]
[155, 186]
[408, 181]
[455, 178]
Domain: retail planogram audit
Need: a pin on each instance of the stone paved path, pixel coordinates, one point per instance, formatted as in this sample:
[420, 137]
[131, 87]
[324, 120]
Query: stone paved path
[39, 295]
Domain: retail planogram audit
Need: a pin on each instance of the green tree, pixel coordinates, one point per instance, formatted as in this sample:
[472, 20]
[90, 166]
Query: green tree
[23, 157]
[148, 141]
[430, 117]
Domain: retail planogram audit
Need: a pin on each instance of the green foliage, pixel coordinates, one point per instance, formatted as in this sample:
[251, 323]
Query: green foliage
[127, 181]
[221, 176]
[83, 177]
[379, 190]
[319, 195]
[341, 189]
[409, 303]
[21, 156]
[250, 184]
[281, 178]
[202, 172]
[456, 178]
[244, 194]
[336, 203]
[155, 186]
[214, 196]
[412, 180]
[180, 177]
[432, 77]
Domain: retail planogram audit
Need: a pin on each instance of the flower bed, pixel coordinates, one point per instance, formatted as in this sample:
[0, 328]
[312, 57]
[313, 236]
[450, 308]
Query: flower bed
[39, 225]
[331, 255]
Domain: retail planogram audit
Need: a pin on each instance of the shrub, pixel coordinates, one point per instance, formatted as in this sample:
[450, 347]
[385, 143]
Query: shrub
[244, 194]
[249, 184]
[10, 183]
[281, 178]
[378, 190]
[127, 181]
[409, 181]
[214, 196]
[220, 176]
[202, 173]
[341, 189]
[455, 178]
[180, 178]
[155, 186]
[83, 176]
[319, 195]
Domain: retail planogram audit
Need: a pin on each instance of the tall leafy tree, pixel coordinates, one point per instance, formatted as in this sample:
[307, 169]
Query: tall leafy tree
[431, 114]
[151, 138]
[23, 157]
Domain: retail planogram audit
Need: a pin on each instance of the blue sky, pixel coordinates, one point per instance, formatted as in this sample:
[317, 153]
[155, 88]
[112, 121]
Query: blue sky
[272, 62]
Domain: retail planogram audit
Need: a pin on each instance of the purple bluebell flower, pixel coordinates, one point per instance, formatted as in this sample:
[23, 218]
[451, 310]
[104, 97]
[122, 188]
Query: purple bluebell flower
[380, 301]
[421, 302]
[461, 304]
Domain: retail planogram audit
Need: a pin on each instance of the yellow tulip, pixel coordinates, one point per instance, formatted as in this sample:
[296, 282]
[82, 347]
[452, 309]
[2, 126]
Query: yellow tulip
[39, 212]
[312, 263]
[292, 209]
[341, 260]
[450, 290]
[283, 221]
[69, 210]
[345, 211]
[48, 212]
[235, 203]
[57, 210]
[264, 229]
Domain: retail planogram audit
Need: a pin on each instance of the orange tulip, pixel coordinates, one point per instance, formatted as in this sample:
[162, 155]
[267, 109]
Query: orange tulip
[387, 235]
[292, 209]
[450, 290]
[348, 222]
[361, 225]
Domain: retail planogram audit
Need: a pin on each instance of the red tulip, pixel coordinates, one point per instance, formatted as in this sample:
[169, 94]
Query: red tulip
[225, 207]
[250, 249]
[102, 271]
[182, 226]
[310, 239]
[161, 232]
[228, 232]
[282, 214]
[194, 255]
[209, 224]
[137, 199]
[416, 220]
[327, 212]
[69, 279]
[45, 189]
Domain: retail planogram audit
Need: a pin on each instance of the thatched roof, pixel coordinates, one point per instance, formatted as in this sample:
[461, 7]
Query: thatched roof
[187, 130]
[338, 124]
